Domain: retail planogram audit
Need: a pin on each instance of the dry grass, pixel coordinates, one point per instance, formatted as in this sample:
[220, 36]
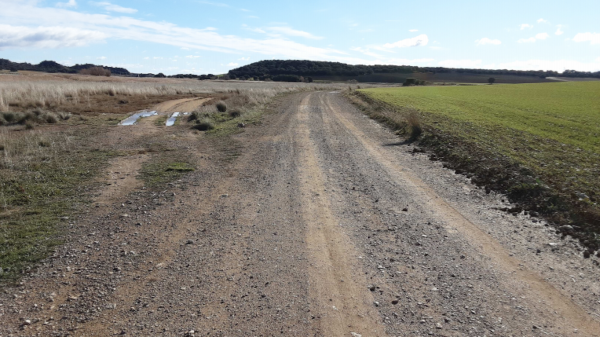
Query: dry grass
[414, 124]
[28, 92]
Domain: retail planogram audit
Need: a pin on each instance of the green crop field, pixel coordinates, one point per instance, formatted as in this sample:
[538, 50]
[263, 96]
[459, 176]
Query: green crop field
[552, 129]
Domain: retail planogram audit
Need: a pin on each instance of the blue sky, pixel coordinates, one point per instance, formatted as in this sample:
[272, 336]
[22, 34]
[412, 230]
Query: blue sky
[196, 36]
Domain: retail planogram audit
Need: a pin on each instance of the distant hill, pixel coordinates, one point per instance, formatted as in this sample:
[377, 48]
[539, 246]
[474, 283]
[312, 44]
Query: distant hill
[336, 71]
[54, 67]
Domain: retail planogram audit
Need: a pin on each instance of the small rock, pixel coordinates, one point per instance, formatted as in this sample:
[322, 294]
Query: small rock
[376, 303]
[438, 325]
[27, 322]
[354, 334]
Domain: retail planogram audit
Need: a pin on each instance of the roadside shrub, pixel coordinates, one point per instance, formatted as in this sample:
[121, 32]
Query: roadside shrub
[51, 118]
[414, 124]
[204, 125]
[26, 117]
[10, 117]
[29, 125]
[221, 106]
[235, 113]
[2, 121]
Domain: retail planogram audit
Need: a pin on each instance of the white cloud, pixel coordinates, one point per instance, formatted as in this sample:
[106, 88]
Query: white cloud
[486, 41]
[244, 58]
[460, 63]
[366, 51]
[293, 32]
[46, 37]
[542, 21]
[114, 8]
[592, 38]
[540, 36]
[28, 13]
[232, 64]
[529, 40]
[70, 3]
[279, 31]
[417, 41]
[526, 25]
[192, 56]
[413, 30]
[101, 58]
[559, 30]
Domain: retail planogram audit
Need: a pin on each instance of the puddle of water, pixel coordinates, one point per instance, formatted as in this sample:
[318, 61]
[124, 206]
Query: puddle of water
[133, 118]
[172, 119]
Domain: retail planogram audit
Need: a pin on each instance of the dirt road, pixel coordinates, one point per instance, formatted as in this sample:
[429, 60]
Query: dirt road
[319, 222]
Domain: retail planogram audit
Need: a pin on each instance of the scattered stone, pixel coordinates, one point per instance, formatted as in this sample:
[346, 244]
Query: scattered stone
[354, 334]
[438, 325]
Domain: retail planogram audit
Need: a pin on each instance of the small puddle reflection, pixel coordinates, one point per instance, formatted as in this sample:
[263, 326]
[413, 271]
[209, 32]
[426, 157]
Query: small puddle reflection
[133, 118]
[172, 119]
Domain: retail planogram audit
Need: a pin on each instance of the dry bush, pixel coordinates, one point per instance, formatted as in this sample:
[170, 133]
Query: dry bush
[204, 125]
[414, 124]
[95, 71]
[221, 106]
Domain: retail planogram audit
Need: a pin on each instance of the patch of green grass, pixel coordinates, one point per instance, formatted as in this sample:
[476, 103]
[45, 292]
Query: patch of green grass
[564, 112]
[550, 129]
[43, 179]
[161, 120]
[163, 169]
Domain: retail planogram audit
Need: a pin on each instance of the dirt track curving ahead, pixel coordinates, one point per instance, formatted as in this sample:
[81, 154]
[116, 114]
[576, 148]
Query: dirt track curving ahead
[318, 222]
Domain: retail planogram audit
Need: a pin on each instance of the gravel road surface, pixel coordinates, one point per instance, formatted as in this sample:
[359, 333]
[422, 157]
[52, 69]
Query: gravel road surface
[318, 222]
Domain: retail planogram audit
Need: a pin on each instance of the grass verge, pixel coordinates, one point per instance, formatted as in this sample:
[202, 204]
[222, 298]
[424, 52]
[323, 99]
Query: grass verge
[44, 180]
[162, 169]
[554, 176]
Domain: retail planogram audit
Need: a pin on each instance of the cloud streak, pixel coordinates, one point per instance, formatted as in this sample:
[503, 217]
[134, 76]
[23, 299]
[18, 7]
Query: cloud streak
[114, 8]
[70, 3]
[46, 37]
[26, 13]
[487, 41]
[592, 38]
[417, 41]
[540, 36]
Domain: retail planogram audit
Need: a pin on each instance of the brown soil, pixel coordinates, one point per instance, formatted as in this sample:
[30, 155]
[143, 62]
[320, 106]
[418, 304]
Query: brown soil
[316, 222]
[181, 105]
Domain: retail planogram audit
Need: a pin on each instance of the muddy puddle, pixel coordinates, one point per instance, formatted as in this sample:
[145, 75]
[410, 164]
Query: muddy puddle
[133, 118]
[173, 118]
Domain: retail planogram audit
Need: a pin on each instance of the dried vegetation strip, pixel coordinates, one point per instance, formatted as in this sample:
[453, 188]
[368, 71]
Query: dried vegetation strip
[537, 143]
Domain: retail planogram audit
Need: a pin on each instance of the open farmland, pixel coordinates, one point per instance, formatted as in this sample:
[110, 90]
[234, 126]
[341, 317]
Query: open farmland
[551, 129]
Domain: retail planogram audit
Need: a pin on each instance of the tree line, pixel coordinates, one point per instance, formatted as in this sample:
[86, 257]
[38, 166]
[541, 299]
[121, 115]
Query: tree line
[270, 68]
